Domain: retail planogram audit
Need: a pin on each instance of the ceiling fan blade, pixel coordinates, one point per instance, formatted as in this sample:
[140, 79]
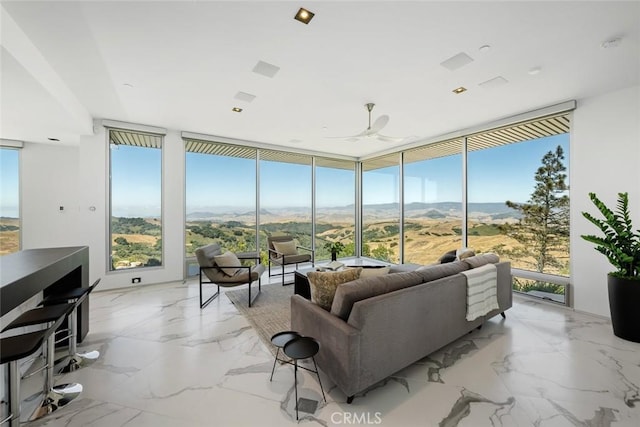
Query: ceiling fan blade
[378, 124]
[387, 139]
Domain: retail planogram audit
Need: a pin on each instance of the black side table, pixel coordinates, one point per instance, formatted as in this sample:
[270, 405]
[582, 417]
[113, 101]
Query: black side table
[303, 348]
[280, 340]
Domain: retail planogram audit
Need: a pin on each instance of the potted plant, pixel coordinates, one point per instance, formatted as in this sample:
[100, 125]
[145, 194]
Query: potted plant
[620, 243]
[335, 248]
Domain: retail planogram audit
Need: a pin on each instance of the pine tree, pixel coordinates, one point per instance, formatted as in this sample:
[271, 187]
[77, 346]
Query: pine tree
[543, 229]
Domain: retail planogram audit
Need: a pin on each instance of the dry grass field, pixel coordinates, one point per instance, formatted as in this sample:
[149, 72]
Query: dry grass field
[9, 239]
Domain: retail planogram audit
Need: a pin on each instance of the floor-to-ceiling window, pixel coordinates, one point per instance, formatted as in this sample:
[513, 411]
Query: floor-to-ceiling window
[432, 201]
[518, 199]
[285, 196]
[9, 200]
[381, 208]
[135, 224]
[335, 205]
[220, 196]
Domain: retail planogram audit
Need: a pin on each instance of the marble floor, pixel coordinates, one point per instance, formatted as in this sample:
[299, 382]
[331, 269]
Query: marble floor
[165, 362]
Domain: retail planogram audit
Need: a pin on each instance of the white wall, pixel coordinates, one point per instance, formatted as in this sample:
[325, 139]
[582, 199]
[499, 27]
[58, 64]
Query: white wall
[605, 159]
[49, 179]
[76, 177]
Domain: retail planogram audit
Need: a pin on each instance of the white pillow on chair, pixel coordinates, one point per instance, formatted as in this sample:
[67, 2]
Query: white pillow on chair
[286, 248]
[229, 262]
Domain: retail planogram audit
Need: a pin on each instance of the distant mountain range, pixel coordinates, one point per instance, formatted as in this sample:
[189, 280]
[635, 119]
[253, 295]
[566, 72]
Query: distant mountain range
[494, 210]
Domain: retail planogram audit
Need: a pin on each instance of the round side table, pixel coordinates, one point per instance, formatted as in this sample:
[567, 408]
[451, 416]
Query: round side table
[280, 340]
[303, 348]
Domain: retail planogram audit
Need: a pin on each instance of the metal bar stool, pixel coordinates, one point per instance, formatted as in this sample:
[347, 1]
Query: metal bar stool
[17, 347]
[75, 296]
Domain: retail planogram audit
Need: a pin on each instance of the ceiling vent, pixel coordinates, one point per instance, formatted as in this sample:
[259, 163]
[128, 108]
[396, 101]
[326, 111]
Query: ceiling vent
[457, 61]
[494, 82]
[243, 96]
[266, 69]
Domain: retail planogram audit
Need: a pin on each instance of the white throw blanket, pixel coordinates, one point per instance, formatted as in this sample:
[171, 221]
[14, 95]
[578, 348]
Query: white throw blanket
[481, 291]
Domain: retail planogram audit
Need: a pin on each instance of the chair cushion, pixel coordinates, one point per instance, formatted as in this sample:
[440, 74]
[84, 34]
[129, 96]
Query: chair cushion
[292, 259]
[286, 248]
[323, 284]
[205, 254]
[228, 262]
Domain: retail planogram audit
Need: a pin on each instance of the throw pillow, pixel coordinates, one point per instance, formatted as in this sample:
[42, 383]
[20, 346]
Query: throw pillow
[462, 251]
[466, 254]
[228, 262]
[374, 271]
[286, 248]
[323, 284]
[482, 259]
[449, 256]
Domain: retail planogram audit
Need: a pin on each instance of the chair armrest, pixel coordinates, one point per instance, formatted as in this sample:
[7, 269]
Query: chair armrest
[278, 254]
[305, 248]
[248, 255]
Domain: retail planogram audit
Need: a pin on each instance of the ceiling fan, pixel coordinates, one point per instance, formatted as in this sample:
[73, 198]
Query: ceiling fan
[372, 131]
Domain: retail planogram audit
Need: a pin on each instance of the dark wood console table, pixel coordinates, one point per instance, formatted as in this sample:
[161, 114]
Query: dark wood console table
[26, 273]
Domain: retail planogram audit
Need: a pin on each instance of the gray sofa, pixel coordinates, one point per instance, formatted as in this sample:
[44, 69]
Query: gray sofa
[380, 325]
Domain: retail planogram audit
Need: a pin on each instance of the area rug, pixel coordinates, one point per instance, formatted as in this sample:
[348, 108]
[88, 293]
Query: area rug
[269, 314]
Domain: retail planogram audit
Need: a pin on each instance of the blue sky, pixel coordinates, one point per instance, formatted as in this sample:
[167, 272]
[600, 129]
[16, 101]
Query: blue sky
[495, 175]
[9, 182]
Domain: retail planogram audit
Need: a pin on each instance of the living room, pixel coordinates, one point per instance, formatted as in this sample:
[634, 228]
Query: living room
[74, 172]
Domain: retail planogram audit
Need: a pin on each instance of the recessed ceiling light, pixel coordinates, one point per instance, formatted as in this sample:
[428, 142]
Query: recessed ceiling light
[459, 90]
[53, 139]
[484, 48]
[304, 16]
[237, 109]
[534, 71]
[608, 44]
[127, 84]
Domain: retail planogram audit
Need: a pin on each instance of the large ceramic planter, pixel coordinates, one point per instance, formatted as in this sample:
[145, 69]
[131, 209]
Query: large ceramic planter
[624, 303]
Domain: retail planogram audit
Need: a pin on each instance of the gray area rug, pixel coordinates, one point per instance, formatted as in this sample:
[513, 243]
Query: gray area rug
[269, 314]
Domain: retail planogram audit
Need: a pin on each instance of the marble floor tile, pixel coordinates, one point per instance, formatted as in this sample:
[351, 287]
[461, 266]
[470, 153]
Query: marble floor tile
[166, 362]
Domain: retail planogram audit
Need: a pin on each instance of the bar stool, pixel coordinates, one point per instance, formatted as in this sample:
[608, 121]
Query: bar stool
[75, 296]
[17, 347]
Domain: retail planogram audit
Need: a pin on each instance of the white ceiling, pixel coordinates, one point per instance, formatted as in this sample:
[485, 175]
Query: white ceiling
[64, 63]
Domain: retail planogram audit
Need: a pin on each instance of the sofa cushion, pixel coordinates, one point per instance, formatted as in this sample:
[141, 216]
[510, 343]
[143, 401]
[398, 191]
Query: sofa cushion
[348, 294]
[228, 262]
[402, 268]
[438, 271]
[374, 271]
[323, 284]
[482, 259]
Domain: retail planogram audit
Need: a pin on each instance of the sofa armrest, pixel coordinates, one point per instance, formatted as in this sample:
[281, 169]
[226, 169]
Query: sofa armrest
[339, 355]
